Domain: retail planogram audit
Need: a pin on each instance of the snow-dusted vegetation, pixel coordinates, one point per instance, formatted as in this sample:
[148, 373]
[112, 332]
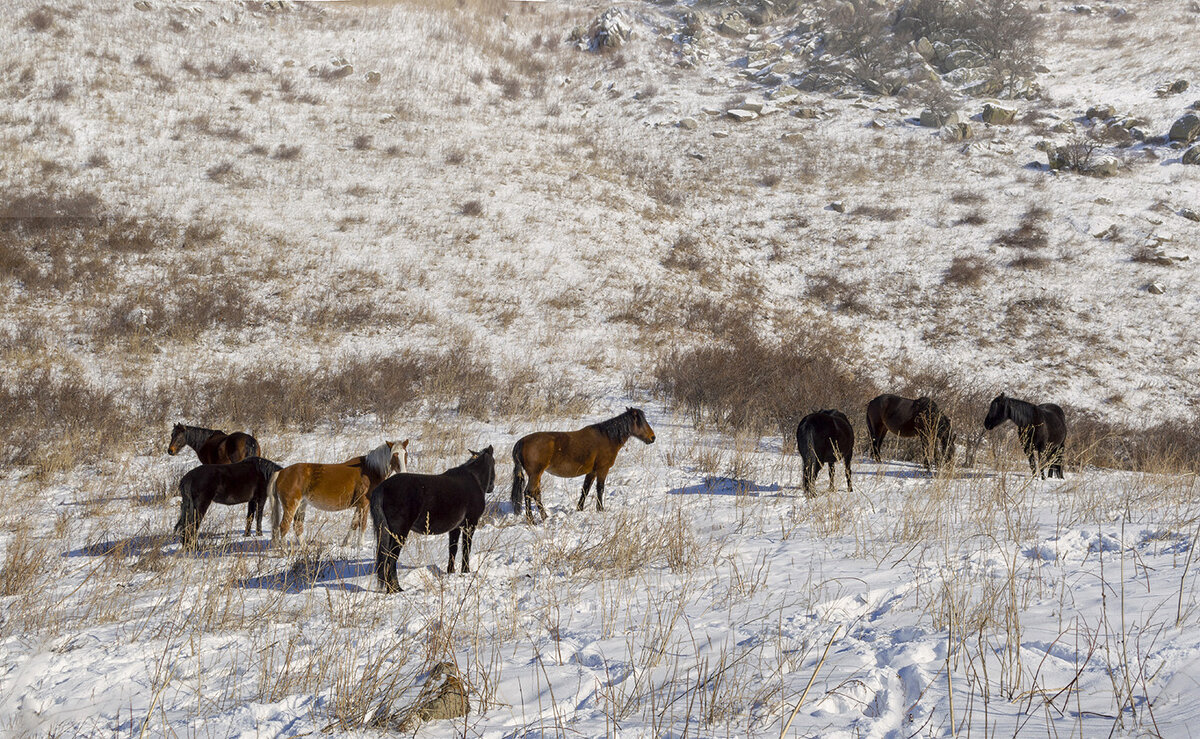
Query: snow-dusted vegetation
[333, 224]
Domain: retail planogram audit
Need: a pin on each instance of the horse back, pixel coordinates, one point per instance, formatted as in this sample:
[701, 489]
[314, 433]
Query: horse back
[327, 486]
[228, 484]
[427, 504]
[1056, 422]
[567, 453]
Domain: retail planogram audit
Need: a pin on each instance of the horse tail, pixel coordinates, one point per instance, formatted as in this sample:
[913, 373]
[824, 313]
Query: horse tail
[519, 480]
[276, 505]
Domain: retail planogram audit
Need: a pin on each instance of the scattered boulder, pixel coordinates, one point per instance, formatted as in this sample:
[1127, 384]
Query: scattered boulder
[1104, 167]
[442, 697]
[792, 137]
[138, 317]
[1171, 88]
[689, 123]
[611, 29]
[1191, 156]
[373, 77]
[1190, 214]
[1100, 112]
[741, 114]
[925, 49]
[754, 106]
[837, 206]
[142, 5]
[1185, 129]
[1063, 127]
[733, 24]
[806, 113]
[720, 134]
[937, 119]
[998, 116]
[1155, 288]
[958, 132]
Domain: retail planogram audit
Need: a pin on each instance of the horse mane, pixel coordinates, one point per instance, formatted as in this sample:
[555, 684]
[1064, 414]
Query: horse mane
[618, 429]
[1022, 413]
[195, 436]
[378, 460]
[265, 467]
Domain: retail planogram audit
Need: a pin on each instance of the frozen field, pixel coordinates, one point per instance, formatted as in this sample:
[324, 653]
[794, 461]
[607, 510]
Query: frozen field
[333, 224]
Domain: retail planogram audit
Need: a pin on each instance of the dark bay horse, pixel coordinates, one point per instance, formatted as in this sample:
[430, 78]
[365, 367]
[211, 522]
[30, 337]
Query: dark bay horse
[228, 484]
[823, 438]
[1042, 428]
[907, 417]
[590, 451]
[332, 487]
[449, 503]
[212, 446]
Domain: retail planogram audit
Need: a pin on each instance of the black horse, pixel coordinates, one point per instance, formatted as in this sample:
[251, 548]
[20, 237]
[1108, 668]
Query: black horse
[823, 438]
[908, 417]
[451, 502]
[1042, 428]
[228, 484]
[212, 446]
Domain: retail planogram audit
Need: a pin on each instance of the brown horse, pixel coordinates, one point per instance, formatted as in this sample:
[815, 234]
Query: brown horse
[590, 451]
[212, 446]
[906, 417]
[332, 487]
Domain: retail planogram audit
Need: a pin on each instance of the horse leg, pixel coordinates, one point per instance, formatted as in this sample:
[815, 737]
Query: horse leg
[262, 503]
[587, 485]
[250, 508]
[846, 464]
[832, 485]
[600, 490]
[533, 494]
[192, 532]
[387, 551]
[453, 548]
[468, 533]
[877, 436]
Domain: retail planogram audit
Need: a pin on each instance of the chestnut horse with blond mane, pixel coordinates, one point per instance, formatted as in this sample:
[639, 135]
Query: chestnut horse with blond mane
[590, 451]
[332, 487]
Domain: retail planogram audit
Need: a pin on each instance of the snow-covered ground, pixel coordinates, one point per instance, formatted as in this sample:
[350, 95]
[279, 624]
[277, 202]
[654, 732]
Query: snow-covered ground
[497, 194]
[694, 605]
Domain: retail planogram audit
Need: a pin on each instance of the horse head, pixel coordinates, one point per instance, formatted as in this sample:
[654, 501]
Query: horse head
[399, 462]
[997, 412]
[177, 440]
[489, 461]
[639, 426]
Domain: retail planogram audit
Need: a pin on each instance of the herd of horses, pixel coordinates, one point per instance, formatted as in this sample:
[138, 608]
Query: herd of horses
[401, 503]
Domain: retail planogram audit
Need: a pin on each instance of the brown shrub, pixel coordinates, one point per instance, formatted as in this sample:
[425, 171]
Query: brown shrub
[967, 271]
[879, 213]
[753, 384]
[1029, 261]
[472, 208]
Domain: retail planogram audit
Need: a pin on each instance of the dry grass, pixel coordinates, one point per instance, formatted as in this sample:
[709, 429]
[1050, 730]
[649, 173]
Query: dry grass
[965, 271]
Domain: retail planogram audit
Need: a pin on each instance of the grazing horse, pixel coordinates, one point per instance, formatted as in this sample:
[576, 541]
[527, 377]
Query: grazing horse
[823, 438]
[211, 446]
[228, 484]
[449, 503]
[590, 451]
[1042, 428]
[907, 417]
[332, 487]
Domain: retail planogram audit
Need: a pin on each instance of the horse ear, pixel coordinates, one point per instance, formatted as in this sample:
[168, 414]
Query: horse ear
[404, 444]
[473, 452]
[490, 451]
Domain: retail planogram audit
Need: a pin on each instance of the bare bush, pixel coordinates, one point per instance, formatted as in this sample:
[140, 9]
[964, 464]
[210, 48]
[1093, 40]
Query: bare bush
[967, 271]
[472, 208]
[757, 385]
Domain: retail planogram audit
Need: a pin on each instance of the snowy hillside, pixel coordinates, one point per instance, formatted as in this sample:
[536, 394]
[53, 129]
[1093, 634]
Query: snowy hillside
[459, 222]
